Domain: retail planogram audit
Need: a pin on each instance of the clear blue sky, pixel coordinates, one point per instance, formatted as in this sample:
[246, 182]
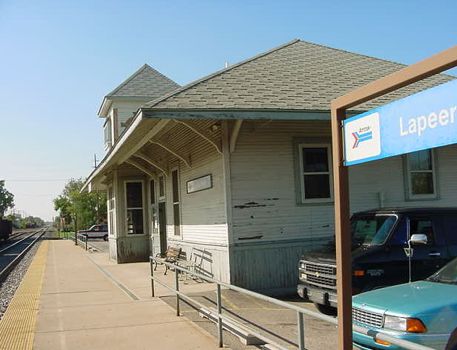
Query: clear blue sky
[59, 58]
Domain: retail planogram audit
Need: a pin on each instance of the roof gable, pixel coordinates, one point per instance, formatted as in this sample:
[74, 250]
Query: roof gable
[145, 82]
[296, 76]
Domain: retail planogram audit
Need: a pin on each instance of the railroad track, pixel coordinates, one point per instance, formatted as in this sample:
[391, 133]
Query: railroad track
[14, 252]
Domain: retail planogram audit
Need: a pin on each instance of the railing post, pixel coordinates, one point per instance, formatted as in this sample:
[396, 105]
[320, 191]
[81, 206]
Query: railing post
[219, 318]
[301, 331]
[177, 291]
[151, 262]
[86, 241]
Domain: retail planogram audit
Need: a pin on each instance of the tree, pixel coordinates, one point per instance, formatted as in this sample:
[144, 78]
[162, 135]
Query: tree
[6, 199]
[88, 207]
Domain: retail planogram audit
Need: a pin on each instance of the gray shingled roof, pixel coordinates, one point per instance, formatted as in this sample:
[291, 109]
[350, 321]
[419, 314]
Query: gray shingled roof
[296, 76]
[145, 82]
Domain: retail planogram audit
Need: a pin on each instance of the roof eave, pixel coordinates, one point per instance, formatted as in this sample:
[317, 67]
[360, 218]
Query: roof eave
[110, 157]
[104, 107]
[237, 113]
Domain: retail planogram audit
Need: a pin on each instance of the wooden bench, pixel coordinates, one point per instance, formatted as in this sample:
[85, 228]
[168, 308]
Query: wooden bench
[171, 256]
[179, 257]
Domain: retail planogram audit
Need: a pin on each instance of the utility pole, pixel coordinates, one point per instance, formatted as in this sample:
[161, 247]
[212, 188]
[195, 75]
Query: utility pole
[95, 160]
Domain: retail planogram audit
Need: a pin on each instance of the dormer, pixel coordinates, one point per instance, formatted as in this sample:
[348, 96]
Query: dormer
[120, 105]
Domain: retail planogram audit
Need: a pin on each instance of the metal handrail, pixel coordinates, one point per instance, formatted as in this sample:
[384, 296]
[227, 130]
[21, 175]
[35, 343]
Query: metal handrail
[83, 240]
[376, 335]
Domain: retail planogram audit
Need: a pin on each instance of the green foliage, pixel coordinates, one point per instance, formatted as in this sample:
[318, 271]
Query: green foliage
[27, 222]
[6, 199]
[88, 208]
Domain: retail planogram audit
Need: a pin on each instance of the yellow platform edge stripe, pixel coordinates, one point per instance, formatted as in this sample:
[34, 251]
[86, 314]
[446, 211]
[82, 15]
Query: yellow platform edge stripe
[17, 327]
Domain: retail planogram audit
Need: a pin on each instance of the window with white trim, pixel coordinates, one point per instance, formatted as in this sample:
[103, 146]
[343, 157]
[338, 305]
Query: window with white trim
[315, 173]
[161, 187]
[107, 133]
[134, 207]
[111, 210]
[421, 175]
[176, 202]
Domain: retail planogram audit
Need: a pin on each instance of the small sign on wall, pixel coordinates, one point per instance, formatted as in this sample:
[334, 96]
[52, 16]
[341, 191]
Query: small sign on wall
[200, 184]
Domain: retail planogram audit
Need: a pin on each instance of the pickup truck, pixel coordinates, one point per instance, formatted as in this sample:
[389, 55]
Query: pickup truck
[96, 231]
[380, 252]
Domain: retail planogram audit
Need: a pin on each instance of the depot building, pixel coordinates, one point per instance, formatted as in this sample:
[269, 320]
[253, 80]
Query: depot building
[235, 168]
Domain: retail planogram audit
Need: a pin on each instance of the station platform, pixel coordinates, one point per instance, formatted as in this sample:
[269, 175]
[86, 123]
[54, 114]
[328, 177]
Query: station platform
[80, 300]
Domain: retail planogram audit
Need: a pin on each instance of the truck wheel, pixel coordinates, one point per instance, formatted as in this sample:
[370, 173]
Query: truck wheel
[105, 238]
[326, 309]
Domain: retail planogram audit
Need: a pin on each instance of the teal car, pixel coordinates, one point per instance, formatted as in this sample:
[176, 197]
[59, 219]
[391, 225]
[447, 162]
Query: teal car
[423, 312]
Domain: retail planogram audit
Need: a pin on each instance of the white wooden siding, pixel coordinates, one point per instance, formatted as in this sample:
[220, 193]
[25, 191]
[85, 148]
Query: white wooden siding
[263, 184]
[264, 189]
[125, 110]
[203, 218]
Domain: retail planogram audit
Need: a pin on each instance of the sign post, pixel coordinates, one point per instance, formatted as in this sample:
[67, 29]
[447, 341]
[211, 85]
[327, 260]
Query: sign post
[424, 120]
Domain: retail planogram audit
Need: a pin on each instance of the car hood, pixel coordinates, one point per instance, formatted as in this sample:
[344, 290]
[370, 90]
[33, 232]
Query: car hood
[410, 299]
[327, 254]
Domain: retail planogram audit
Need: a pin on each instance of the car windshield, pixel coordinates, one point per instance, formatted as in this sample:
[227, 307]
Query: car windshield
[371, 229]
[448, 274]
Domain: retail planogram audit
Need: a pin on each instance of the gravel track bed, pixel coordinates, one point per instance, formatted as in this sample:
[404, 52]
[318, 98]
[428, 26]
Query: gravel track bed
[10, 284]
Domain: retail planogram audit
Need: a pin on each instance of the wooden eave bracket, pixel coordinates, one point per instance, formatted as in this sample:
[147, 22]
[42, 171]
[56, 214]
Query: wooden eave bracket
[140, 167]
[151, 162]
[234, 135]
[216, 144]
[185, 159]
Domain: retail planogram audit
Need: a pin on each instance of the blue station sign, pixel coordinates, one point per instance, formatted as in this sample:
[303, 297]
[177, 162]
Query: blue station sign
[421, 121]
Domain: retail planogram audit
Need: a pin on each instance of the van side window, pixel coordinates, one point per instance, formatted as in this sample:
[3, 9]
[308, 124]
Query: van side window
[399, 235]
[422, 226]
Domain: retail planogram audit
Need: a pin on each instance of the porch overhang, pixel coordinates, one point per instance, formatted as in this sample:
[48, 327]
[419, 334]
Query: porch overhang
[150, 121]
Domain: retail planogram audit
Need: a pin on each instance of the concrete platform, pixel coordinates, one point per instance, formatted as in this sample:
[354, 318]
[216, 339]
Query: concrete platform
[83, 305]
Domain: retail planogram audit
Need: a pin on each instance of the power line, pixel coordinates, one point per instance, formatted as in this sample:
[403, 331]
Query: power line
[34, 180]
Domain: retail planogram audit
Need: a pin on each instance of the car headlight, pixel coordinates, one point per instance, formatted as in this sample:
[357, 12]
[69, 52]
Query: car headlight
[404, 324]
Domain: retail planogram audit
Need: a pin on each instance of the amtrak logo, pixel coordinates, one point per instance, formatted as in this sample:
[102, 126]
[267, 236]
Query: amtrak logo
[362, 138]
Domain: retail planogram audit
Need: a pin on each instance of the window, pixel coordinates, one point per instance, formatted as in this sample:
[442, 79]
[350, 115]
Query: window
[315, 173]
[111, 210]
[422, 226]
[134, 206]
[176, 208]
[421, 175]
[161, 187]
[152, 198]
[107, 133]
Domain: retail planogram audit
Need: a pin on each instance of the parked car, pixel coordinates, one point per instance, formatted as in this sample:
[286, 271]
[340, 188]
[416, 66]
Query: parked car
[96, 231]
[379, 256]
[423, 312]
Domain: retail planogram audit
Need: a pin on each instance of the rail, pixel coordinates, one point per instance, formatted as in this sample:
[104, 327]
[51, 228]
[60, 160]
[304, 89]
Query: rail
[7, 269]
[81, 239]
[299, 310]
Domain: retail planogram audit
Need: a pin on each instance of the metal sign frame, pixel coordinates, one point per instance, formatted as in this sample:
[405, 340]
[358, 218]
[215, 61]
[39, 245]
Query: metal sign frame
[433, 65]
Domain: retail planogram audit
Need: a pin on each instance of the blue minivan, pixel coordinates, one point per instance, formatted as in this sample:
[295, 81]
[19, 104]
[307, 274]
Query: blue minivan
[423, 312]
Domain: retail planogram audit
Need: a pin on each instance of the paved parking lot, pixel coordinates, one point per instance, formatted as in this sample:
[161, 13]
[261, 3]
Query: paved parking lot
[271, 320]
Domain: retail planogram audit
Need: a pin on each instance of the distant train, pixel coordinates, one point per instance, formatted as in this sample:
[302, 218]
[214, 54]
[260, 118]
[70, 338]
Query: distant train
[6, 228]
